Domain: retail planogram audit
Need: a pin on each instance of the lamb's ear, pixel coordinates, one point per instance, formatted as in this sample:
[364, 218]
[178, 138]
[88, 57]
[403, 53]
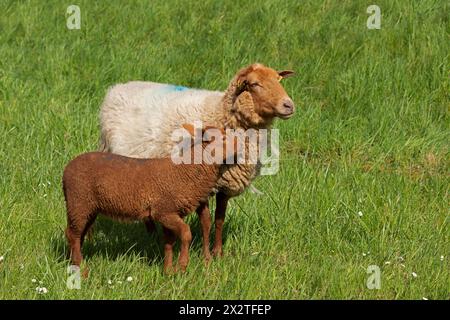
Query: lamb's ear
[190, 128]
[206, 128]
[241, 86]
[286, 74]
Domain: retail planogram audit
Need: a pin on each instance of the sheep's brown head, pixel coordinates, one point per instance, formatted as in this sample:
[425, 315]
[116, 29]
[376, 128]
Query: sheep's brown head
[262, 86]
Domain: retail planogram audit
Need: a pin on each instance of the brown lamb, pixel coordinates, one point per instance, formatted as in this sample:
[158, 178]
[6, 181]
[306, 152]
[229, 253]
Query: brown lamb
[126, 188]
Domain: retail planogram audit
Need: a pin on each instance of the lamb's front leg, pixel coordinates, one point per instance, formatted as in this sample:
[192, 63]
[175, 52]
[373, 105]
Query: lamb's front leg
[205, 223]
[169, 242]
[174, 223]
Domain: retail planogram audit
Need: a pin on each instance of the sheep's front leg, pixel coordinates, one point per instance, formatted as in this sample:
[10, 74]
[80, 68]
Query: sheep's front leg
[205, 222]
[174, 223]
[221, 207]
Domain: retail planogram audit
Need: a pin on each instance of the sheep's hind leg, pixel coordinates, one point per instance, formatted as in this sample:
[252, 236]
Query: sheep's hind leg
[221, 207]
[174, 223]
[205, 222]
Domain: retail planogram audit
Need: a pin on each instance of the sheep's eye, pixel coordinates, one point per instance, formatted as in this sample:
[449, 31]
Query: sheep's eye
[255, 84]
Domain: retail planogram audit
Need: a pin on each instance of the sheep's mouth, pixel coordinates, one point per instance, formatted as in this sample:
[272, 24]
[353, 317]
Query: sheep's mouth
[286, 116]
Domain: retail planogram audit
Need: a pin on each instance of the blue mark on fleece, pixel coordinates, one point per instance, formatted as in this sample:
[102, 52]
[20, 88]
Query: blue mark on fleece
[179, 88]
[171, 88]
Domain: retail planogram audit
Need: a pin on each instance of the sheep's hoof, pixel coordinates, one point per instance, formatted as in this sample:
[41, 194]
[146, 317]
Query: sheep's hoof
[182, 269]
[169, 270]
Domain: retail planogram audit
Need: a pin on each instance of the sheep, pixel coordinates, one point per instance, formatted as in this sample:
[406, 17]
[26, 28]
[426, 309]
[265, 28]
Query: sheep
[126, 188]
[137, 119]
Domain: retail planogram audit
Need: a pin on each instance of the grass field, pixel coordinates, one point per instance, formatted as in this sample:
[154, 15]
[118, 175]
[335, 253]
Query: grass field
[364, 169]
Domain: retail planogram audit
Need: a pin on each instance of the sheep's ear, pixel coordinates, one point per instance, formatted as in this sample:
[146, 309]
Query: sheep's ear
[285, 74]
[190, 128]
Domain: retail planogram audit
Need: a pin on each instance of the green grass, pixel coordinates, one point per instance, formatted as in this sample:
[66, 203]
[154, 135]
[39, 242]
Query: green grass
[371, 134]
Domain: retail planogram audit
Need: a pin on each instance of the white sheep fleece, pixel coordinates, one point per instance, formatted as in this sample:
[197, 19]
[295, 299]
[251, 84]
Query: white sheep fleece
[138, 118]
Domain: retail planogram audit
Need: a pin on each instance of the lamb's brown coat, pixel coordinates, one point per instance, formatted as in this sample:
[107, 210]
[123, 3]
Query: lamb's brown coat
[135, 189]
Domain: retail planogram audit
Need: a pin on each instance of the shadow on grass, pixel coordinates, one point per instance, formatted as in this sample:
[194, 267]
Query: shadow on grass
[114, 240]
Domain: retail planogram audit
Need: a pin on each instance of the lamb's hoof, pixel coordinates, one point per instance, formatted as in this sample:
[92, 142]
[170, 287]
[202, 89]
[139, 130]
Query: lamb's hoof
[217, 252]
[208, 259]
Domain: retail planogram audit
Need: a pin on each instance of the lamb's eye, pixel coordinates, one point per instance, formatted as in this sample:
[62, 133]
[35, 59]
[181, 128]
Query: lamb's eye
[255, 84]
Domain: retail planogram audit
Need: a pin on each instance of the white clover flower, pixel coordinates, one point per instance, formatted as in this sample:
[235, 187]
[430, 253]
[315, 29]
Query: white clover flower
[423, 298]
[41, 290]
[109, 282]
[21, 266]
[387, 262]
[2, 258]
[360, 213]
[119, 282]
[414, 274]
[33, 280]
[129, 279]
[442, 258]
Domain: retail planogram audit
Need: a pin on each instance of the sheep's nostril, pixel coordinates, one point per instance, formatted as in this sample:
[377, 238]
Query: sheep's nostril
[289, 106]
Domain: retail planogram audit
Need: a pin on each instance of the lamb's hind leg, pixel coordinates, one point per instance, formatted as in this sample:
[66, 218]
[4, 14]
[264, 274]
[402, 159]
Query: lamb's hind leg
[174, 223]
[73, 236]
[78, 223]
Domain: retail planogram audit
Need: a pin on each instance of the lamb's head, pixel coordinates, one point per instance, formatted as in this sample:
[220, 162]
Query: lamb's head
[259, 95]
[217, 147]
